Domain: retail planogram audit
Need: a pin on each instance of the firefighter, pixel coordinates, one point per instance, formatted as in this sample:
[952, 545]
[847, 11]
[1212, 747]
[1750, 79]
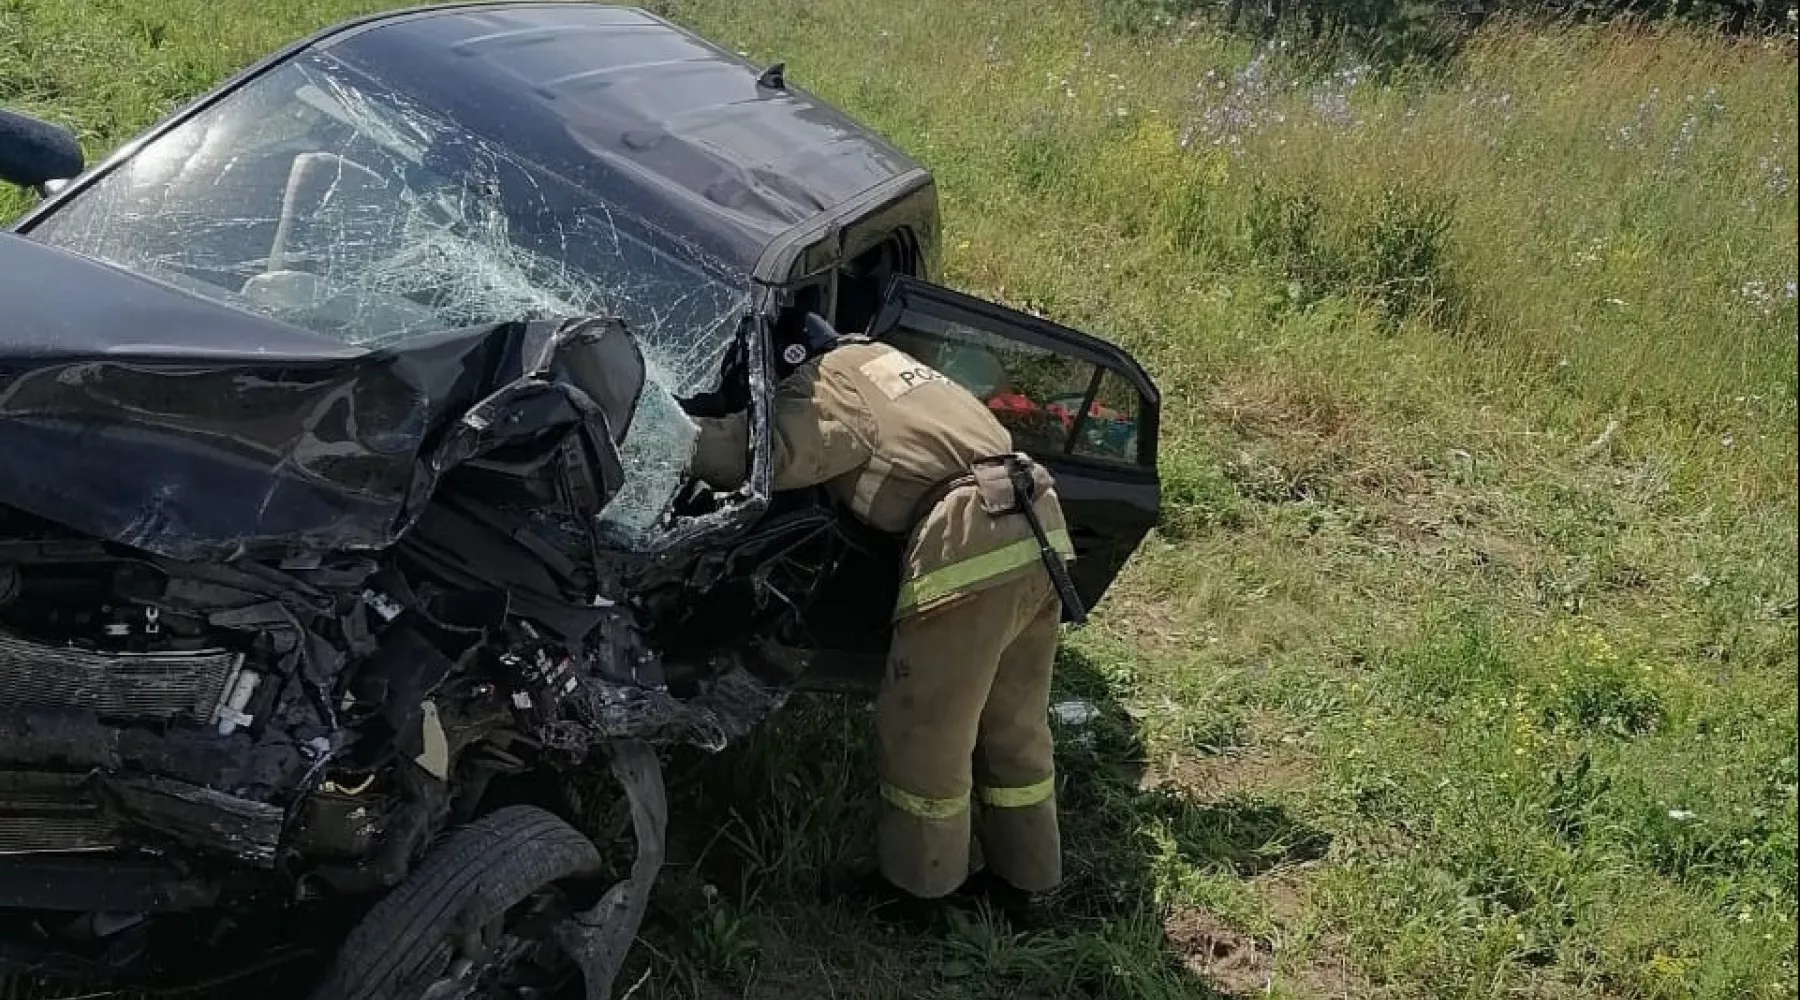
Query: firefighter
[962, 717]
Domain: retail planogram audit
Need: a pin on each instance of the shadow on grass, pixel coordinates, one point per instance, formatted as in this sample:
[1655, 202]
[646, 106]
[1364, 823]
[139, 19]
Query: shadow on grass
[762, 833]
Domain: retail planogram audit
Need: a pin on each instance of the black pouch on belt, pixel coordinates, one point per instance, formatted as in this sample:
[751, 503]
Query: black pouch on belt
[1010, 485]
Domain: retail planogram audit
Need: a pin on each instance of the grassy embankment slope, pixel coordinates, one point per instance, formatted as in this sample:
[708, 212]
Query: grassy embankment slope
[1464, 662]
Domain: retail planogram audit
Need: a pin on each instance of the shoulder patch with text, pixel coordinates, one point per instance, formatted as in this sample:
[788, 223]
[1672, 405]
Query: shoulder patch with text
[896, 374]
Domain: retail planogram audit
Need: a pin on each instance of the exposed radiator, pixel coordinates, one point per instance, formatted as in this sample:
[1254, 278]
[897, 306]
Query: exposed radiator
[139, 686]
[51, 812]
[63, 812]
[39, 834]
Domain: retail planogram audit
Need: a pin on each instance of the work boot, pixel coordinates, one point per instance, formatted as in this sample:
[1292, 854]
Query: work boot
[890, 904]
[867, 887]
[1021, 909]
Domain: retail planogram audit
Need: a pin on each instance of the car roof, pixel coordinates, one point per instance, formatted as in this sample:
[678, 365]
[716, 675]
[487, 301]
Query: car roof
[633, 108]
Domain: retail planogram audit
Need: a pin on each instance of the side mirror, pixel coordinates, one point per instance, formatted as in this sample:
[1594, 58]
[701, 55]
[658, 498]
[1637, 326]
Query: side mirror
[35, 153]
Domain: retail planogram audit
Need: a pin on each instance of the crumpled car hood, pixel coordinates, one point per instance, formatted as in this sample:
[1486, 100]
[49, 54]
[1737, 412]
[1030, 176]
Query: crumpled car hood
[137, 413]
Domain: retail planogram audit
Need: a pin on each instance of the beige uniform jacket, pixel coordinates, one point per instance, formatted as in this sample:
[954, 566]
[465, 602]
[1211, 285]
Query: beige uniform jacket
[880, 430]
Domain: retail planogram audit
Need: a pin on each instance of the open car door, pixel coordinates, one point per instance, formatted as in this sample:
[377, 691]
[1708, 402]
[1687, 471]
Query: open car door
[1082, 407]
[1079, 405]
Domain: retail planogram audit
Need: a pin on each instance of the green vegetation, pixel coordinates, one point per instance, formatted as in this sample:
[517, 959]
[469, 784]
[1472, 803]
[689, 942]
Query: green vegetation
[1464, 662]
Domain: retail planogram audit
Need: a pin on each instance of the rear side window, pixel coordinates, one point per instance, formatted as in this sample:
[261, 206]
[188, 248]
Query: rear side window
[1053, 403]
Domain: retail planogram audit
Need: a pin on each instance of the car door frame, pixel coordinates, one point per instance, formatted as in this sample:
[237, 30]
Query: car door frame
[1086, 485]
[904, 207]
[1050, 336]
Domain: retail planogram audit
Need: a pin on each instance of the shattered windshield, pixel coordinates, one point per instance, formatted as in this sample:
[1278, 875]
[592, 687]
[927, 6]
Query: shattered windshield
[318, 197]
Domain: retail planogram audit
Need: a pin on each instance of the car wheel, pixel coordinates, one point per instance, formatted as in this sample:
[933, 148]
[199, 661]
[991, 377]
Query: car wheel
[474, 920]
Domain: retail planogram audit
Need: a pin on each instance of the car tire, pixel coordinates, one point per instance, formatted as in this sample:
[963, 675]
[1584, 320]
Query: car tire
[408, 941]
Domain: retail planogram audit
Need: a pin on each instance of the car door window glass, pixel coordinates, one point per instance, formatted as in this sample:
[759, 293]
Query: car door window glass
[1110, 428]
[1036, 393]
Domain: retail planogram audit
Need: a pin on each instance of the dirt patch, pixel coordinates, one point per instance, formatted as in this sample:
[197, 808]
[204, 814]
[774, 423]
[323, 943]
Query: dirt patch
[1439, 518]
[1292, 435]
[1287, 900]
[1231, 960]
[1292, 438]
[1143, 614]
[1327, 974]
[1241, 966]
[1272, 761]
[1250, 772]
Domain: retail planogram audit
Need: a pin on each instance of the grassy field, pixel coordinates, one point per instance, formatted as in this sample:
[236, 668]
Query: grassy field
[1464, 661]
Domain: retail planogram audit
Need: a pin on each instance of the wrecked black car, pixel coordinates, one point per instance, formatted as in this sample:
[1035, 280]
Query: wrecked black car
[344, 426]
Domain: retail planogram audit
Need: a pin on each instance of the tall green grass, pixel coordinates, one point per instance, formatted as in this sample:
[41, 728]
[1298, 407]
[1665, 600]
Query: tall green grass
[1464, 661]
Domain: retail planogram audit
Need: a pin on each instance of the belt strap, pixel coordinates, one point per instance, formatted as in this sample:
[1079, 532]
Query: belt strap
[1024, 490]
[948, 485]
[1018, 471]
[936, 494]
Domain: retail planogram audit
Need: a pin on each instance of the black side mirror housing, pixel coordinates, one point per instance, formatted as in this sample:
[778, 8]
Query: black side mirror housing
[35, 153]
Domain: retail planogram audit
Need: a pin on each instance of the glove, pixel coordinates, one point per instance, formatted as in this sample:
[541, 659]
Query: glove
[821, 336]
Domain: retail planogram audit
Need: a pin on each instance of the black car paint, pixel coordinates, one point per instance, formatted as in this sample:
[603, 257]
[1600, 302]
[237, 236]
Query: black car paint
[101, 362]
[171, 434]
[638, 132]
[769, 221]
[629, 135]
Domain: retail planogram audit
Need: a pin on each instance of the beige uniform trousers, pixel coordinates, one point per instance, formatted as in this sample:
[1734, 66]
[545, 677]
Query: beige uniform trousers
[963, 714]
[965, 743]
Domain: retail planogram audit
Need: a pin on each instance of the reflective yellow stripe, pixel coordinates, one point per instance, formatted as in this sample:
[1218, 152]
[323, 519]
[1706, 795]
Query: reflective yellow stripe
[922, 807]
[1020, 797]
[947, 580]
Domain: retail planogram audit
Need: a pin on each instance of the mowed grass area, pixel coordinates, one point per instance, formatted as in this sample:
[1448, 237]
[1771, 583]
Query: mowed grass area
[1464, 661]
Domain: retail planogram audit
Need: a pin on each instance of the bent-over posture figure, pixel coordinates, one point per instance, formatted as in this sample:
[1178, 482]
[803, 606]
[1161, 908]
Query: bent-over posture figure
[962, 716]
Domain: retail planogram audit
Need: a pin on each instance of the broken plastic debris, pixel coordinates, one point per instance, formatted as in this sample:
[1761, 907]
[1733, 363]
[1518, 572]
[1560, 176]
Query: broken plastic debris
[435, 756]
[230, 713]
[1075, 712]
[383, 605]
[1078, 715]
